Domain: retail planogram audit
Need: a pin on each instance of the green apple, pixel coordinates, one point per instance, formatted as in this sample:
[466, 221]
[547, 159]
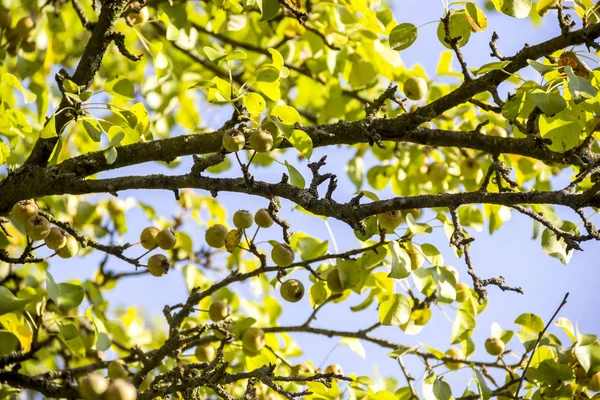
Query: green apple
[415, 88]
[455, 353]
[292, 290]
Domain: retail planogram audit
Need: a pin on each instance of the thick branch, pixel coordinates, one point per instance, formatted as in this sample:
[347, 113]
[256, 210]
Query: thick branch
[83, 76]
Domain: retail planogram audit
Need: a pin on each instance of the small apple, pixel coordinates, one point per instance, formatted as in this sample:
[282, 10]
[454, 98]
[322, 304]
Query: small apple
[333, 281]
[282, 255]
[116, 370]
[437, 172]
[24, 210]
[334, 369]
[242, 219]
[462, 292]
[70, 248]
[303, 369]
[120, 389]
[455, 353]
[261, 141]
[93, 386]
[24, 26]
[136, 17]
[215, 236]
[166, 239]
[453, 271]
[253, 340]
[148, 237]
[469, 168]
[37, 227]
[218, 311]
[205, 352]
[55, 239]
[494, 346]
[292, 290]
[415, 212]
[390, 220]
[415, 88]
[233, 141]
[263, 219]
[158, 265]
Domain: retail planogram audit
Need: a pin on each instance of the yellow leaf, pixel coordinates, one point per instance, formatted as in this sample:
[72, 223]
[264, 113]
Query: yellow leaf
[232, 239]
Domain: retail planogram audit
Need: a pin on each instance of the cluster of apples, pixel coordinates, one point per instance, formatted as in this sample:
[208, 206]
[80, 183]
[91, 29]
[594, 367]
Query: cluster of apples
[150, 239]
[253, 340]
[392, 219]
[116, 387]
[259, 140]
[216, 235]
[37, 228]
[18, 36]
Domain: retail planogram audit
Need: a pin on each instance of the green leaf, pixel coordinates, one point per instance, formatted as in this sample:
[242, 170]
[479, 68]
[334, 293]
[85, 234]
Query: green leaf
[513, 8]
[417, 228]
[356, 171]
[530, 322]
[70, 86]
[484, 390]
[394, 310]
[379, 176]
[550, 103]
[567, 326]
[564, 129]
[476, 17]
[362, 73]
[446, 285]
[92, 130]
[10, 79]
[400, 262]
[102, 341]
[318, 294]
[111, 155]
[463, 326]
[268, 82]
[403, 36]
[541, 68]
[355, 345]
[288, 115]
[493, 66]
[8, 343]
[214, 55]
[301, 142]
[581, 89]
[49, 129]
[268, 9]
[4, 152]
[120, 86]
[9, 302]
[172, 31]
[296, 177]
[65, 295]
[555, 247]
[589, 357]
[459, 26]
[254, 103]
[349, 273]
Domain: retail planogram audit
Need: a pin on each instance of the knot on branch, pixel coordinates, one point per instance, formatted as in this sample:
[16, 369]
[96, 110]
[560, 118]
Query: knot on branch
[119, 40]
[274, 207]
[378, 105]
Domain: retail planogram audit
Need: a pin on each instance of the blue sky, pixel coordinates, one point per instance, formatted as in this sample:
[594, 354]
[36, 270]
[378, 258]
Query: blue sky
[510, 252]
